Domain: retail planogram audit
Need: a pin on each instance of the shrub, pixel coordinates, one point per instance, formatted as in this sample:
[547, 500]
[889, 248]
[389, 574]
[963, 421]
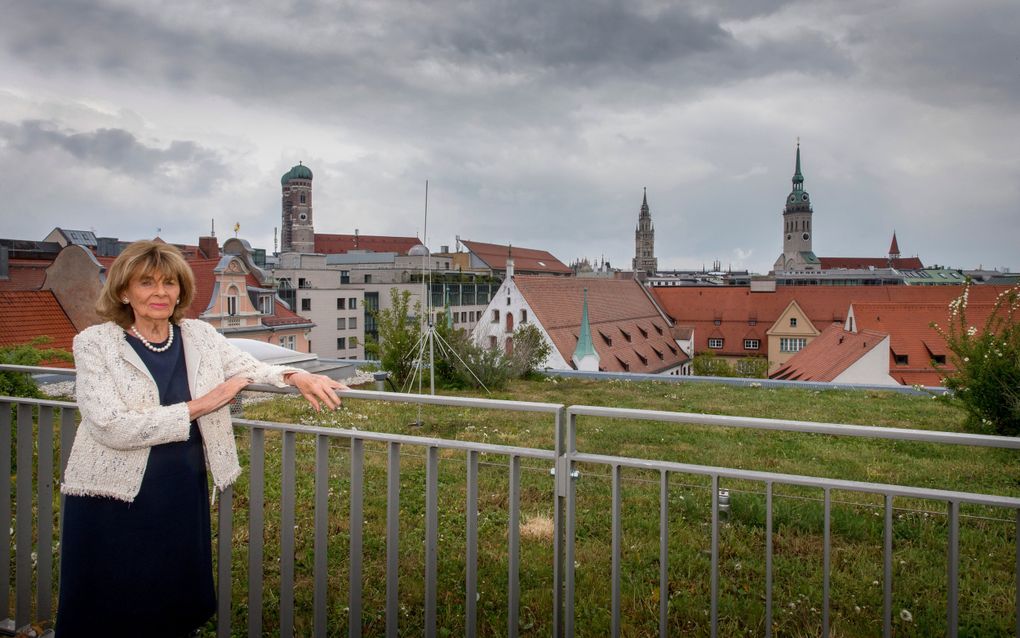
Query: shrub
[707, 364]
[399, 333]
[987, 362]
[20, 384]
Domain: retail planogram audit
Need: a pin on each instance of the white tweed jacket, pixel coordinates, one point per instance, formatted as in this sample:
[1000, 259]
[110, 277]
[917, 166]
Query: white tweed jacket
[121, 417]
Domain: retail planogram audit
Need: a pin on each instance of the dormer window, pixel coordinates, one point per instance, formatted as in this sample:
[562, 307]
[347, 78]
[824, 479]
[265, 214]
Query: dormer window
[626, 335]
[644, 333]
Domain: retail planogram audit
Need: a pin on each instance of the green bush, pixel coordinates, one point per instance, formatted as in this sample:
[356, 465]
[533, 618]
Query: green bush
[399, 334]
[987, 362]
[19, 384]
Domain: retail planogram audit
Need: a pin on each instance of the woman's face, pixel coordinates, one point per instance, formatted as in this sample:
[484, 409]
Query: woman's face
[153, 296]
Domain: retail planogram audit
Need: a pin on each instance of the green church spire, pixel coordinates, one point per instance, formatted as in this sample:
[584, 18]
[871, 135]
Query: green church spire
[585, 347]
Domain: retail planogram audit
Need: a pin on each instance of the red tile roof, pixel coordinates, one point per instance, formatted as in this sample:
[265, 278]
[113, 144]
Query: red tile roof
[736, 308]
[526, 260]
[828, 355]
[337, 244]
[910, 334]
[25, 315]
[25, 274]
[627, 329]
[863, 263]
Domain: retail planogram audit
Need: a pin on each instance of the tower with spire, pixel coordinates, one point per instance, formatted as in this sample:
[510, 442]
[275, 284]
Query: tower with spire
[797, 231]
[644, 241]
[296, 231]
[894, 248]
[585, 356]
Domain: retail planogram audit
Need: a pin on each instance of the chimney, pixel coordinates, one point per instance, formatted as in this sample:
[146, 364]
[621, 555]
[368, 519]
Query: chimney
[509, 262]
[355, 237]
[209, 247]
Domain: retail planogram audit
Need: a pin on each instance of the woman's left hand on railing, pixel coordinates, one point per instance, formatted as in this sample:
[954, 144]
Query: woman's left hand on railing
[318, 389]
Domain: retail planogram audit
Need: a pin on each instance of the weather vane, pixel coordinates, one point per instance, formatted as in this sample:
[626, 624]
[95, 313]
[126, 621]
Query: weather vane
[237, 227]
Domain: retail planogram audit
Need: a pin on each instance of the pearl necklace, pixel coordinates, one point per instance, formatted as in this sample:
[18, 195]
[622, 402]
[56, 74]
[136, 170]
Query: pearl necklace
[148, 344]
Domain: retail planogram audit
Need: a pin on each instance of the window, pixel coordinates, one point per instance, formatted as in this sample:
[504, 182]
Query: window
[508, 300]
[352, 303]
[341, 323]
[509, 346]
[938, 359]
[463, 317]
[751, 344]
[715, 343]
[352, 323]
[495, 317]
[752, 322]
[454, 316]
[901, 359]
[717, 322]
[626, 335]
[306, 304]
[606, 338]
[792, 344]
[232, 305]
[341, 343]
[509, 323]
[644, 333]
[266, 304]
[492, 343]
[793, 322]
[345, 276]
[368, 279]
[287, 341]
[341, 303]
[303, 283]
[524, 316]
[352, 342]
[657, 329]
[303, 198]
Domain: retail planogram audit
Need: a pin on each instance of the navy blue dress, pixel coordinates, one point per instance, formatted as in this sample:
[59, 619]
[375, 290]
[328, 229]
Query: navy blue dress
[143, 568]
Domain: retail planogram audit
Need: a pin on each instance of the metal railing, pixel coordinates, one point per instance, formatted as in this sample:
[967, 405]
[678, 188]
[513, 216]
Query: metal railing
[34, 549]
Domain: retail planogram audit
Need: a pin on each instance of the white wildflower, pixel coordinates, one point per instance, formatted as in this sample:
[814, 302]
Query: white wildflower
[906, 616]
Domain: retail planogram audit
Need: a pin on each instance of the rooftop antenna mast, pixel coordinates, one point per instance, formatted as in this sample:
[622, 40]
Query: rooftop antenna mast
[429, 335]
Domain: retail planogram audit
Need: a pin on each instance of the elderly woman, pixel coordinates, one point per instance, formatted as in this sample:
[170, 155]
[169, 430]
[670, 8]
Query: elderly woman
[153, 390]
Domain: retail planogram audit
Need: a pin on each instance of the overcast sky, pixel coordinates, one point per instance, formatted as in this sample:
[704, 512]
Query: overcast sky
[536, 122]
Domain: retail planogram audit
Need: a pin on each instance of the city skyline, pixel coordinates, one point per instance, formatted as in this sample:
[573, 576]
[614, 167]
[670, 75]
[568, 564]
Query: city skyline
[535, 124]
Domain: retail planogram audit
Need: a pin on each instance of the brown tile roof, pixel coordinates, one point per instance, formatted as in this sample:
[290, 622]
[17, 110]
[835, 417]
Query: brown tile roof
[735, 308]
[828, 355]
[337, 244]
[863, 263]
[25, 315]
[910, 334]
[526, 260]
[25, 274]
[628, 331]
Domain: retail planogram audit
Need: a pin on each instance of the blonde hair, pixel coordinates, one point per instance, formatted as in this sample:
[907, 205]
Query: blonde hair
[140, 258]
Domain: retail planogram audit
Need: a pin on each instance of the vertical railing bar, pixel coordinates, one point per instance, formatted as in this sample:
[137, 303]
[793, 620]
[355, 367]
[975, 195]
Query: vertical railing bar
[44, 515]
[514, 549]
[431, 538]
[715, 556]
[5, 507]
[357, 524]
[768, 559]
[256, 530]
[287, 492]
[224, 561]
[559, 500]
[23, 533]
[321, 570]
[826, 560]
[887, 569]
[663, 553]
[617, 537]
[393, 540]
[567, 480]
[67, 431]
[471, 548]
[953, 598]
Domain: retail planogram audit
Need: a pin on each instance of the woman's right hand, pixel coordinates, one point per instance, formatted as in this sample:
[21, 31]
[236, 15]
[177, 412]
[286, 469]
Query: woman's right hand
[218, 397]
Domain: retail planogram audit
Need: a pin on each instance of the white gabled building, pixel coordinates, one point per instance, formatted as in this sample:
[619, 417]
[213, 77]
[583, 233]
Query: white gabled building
[626, 330]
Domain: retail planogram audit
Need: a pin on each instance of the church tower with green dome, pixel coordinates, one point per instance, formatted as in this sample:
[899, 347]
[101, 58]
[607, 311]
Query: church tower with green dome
[296, 232]
[797, 231]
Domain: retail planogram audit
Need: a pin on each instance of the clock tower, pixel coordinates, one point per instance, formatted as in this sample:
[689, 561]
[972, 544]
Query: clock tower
[797, 229]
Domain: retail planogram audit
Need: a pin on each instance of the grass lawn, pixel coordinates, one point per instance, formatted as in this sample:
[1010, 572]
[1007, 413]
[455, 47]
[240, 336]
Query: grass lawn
[987, 556]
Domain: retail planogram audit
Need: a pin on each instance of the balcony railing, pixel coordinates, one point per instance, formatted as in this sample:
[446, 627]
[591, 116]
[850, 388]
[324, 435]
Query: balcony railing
[42, 457]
